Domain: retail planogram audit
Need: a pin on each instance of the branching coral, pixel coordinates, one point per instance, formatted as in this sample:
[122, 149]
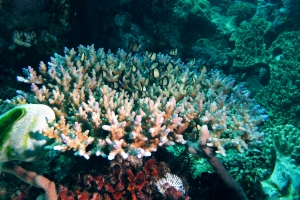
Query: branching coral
[104, 103]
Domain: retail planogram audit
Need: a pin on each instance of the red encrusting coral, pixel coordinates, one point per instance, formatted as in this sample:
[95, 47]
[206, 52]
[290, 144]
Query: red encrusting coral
[151, 168]
[119, 183]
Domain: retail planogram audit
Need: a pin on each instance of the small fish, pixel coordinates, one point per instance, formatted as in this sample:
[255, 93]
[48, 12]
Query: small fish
[194, 80]
[154, 70]
[115, 85]
[143, 90]
[154, 65]
[134, 47]
[203, 69]
[174, 52]
[133, 68]
[164, 81]
[155, 73]
[198, 127]
[170, 66]
[193, 61]
[151, 55]
[82, 58]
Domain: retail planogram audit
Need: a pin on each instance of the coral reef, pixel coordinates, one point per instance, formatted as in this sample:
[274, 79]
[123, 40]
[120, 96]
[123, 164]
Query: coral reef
[120, 104]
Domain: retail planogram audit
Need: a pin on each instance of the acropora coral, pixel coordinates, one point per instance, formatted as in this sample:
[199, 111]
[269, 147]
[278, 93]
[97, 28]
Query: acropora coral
[123, 104]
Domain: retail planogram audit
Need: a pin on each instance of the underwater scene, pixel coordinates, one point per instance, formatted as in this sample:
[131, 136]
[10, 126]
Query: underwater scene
[149, 99]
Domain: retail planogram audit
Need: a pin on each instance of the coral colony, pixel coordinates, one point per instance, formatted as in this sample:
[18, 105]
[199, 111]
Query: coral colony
[124, 104]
